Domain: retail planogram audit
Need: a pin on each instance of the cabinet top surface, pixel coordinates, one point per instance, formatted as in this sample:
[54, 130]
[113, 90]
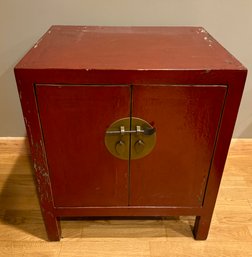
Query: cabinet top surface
[128, 48]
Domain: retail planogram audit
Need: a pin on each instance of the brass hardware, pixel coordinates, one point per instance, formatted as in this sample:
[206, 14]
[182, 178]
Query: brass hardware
[117, 140]
[120, 147]
[143, 142]
[139, 146]
[139, 139]
[146, 131]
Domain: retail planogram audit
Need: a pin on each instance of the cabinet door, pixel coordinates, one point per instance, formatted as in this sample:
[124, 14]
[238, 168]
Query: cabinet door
[74, 120]
[186, 119]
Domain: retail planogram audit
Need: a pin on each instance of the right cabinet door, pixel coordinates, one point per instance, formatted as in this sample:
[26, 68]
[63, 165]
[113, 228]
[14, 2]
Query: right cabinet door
[186, 119]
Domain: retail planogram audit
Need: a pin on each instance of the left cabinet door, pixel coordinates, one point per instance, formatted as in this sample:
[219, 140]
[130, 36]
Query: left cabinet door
[74, 119]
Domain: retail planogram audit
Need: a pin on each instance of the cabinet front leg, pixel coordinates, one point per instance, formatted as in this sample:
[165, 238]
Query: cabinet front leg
[52, 225]
[201, 227]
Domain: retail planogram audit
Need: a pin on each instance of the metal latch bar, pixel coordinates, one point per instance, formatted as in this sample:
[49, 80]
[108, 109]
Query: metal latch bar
[122, 131]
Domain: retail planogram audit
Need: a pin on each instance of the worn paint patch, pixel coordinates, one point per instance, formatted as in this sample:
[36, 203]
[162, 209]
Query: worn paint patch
[29, 130]
[42, 175]
[202, 30]
[36, 45]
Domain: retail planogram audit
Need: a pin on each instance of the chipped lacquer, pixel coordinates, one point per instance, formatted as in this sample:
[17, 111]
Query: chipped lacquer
[77, 80]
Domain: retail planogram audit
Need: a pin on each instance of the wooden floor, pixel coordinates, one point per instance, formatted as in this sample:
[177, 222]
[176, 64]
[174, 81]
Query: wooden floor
[22, 232]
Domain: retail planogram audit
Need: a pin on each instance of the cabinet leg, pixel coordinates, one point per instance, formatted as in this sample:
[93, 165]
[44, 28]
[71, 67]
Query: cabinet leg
[52, 225]
[201, 227]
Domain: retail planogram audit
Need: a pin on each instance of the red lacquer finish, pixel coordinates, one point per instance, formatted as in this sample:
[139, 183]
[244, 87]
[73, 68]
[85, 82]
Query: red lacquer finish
[82, 171]
[77, 80]
[128, 48]
[187, 121]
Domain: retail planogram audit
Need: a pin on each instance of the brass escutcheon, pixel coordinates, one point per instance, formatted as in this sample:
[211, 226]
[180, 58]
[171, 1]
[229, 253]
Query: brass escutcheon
[131, 138]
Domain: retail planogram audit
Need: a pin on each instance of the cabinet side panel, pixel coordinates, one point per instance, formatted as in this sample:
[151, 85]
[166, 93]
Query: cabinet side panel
[74, 121]
[186, 119]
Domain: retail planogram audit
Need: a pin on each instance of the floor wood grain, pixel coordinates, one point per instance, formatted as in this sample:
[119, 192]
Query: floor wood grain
[22, 231]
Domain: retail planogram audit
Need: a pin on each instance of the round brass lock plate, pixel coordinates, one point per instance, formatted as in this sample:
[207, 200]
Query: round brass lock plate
[130, 137]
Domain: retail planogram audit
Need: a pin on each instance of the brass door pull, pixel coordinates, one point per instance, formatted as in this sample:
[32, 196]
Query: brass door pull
[139, 146]
[120, 147]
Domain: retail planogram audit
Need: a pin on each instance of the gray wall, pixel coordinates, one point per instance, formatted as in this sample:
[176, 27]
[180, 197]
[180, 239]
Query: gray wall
[23, 22]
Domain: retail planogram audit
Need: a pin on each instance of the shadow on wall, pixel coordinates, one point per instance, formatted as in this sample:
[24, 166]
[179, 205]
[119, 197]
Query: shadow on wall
[247, 132]
[10, 110]
[21, 220]
[244, 122]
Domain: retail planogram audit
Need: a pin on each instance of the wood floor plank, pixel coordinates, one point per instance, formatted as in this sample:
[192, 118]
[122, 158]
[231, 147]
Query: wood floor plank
[14, 145]
[42, 249]
[72, 230]
[136, 248]
[229, 233]
[200, 248]
[123, 228]
[9, 248]
[250, 202]
[15, 164]
[17, 185]
[24, 203]
[235, 219]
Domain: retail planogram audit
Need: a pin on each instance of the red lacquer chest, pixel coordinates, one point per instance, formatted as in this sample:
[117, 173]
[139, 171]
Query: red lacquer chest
[129, 121]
